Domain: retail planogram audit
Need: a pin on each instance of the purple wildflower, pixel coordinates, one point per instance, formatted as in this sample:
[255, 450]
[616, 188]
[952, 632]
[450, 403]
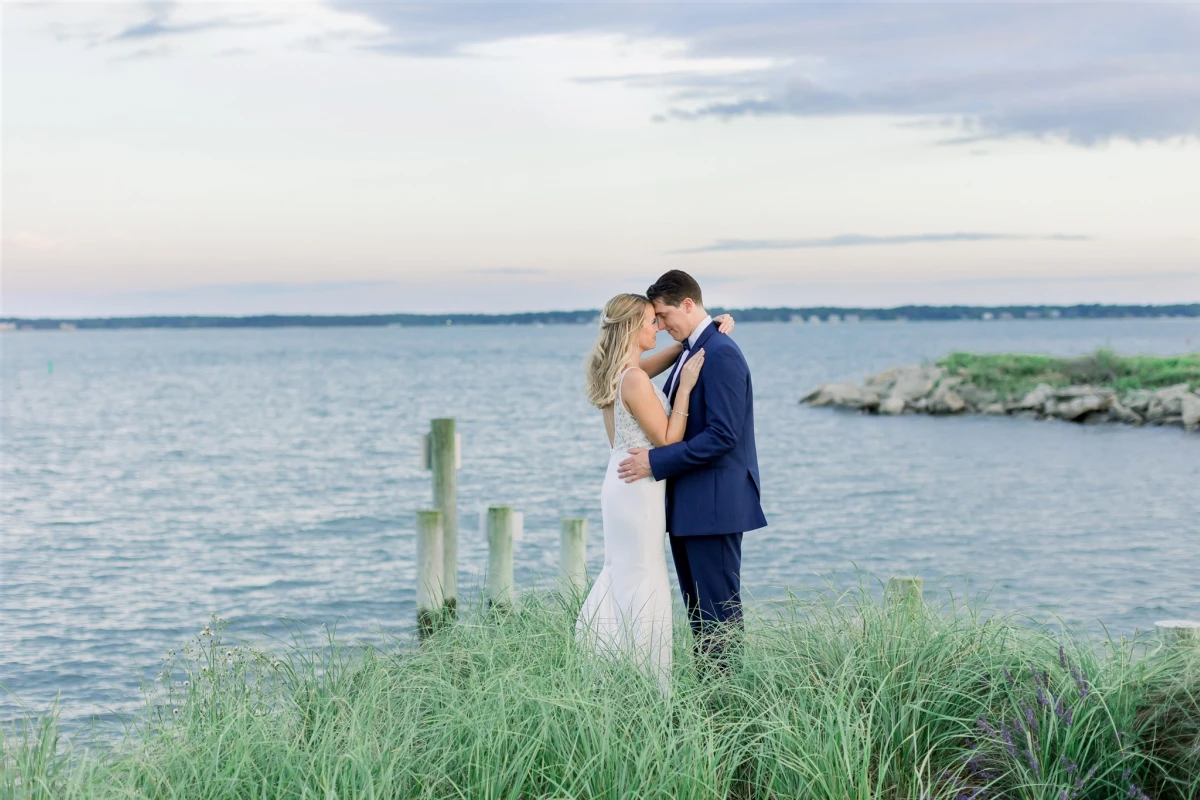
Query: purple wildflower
[1033, 762]
[1062, 657]
[1068, 717]
[1007, 739]
[1069, 766]
[982, 724]
[1058, 708]
[1062, 795]
[1041, 698]
[1030, 720]
[1009, 676]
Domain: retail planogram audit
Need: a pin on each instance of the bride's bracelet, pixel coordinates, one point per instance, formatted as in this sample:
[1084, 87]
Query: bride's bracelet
[681, 413]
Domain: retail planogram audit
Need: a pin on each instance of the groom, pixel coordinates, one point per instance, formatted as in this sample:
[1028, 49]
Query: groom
[713, 484]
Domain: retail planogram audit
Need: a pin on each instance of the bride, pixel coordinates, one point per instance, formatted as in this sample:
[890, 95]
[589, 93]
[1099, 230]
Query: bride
[628, 610]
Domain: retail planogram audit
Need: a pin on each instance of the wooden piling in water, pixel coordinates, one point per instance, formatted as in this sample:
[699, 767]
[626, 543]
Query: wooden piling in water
[443, 462]
[1178, 632]
[905, 588]
[430, 552]
[500, 556]
[572, 554]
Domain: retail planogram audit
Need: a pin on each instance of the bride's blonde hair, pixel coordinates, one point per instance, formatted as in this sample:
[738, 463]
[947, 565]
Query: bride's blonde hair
[619, 326]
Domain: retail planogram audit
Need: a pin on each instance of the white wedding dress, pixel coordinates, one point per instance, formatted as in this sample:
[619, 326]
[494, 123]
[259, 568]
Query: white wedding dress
[628, 610]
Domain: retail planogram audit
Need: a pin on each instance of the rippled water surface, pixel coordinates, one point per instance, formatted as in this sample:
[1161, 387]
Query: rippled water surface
[151, 478]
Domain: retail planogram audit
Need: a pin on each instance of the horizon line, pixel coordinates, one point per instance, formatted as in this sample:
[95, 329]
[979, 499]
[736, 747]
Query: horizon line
[509, 314]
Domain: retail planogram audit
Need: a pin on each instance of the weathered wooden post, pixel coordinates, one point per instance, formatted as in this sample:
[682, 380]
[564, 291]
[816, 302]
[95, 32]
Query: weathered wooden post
[500, 557]
[1178, 632]
[430, 553]
[441, 453]
[905, 589]
[572, 554]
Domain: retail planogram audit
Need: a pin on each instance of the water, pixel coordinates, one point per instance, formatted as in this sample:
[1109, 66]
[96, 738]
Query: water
[155, 477]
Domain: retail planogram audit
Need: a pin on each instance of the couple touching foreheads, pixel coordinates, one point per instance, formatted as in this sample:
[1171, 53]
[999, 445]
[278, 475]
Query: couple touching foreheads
[683, 465]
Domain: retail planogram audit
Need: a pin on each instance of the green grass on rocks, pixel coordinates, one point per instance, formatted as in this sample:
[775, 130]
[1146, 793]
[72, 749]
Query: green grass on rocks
[835, 699]
[1014, 374]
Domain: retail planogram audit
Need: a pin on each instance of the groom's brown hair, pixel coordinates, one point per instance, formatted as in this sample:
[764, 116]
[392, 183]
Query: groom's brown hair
[673, 287]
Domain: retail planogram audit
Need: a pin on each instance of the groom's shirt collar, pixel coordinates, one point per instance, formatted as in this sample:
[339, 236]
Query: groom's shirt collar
[695, 335]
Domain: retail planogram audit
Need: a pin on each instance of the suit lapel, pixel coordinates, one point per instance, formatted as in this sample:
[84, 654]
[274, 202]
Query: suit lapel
[704, 337]
[670, 381]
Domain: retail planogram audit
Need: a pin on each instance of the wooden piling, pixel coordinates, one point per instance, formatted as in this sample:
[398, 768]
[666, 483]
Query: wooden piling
[572, 555]
[443, 462]
[905, 588]
[430, 552]
[1178, 632]
[500, 557]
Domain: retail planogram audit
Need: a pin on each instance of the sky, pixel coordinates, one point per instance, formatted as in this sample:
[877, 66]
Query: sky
[373, 157]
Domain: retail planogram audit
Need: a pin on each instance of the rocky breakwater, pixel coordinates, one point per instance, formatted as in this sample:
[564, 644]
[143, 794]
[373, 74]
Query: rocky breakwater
[934, 389]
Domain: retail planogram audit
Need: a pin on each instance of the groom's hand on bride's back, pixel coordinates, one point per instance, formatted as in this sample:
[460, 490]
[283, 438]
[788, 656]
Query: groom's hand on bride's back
[636, 467]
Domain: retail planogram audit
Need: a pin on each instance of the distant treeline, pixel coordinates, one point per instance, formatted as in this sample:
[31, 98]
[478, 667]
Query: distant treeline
[825, 314]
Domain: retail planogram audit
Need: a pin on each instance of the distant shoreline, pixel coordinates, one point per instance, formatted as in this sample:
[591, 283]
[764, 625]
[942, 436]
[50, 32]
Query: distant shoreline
[825, 315]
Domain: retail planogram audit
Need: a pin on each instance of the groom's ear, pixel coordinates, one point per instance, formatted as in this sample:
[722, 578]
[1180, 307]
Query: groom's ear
[687, 305]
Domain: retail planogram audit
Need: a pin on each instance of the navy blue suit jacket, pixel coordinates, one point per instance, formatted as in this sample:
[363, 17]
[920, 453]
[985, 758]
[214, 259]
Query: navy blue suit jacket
[712, 475]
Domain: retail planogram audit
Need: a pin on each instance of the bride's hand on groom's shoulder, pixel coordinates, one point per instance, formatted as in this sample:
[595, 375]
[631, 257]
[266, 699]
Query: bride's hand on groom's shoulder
[724, 323]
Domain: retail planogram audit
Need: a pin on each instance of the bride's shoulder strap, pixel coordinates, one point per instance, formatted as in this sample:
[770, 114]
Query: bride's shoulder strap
[621, 382]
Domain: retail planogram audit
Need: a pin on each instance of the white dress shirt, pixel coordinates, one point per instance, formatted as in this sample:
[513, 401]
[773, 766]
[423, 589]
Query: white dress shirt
[686, 354]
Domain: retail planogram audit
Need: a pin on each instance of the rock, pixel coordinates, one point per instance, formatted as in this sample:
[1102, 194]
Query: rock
[1036, 399]
[1190, 407]
[1165, 420]
[1120, 413]
[950, 402]
[1137, 401]
[882, 383]
[995, 409]
[1072, 392]
[945, 399]
[977, 399]
[892, 405]
[915, 382]
[1072, 410]
[1167, 402]
[846, 394]
[813, 395]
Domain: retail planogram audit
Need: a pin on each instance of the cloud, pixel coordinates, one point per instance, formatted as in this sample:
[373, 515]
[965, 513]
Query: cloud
[266, 289]
[1085, 73]
[34, 242]
[860, 240]
[508, 271]
[155, 28]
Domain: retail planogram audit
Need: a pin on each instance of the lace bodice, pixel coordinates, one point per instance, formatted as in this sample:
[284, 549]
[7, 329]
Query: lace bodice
[627, 433]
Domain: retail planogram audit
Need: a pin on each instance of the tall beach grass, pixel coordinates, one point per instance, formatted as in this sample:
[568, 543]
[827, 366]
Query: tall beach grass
[1014, 374]
[833, 698]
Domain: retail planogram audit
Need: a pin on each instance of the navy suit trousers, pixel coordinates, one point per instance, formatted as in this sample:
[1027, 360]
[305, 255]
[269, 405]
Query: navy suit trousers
[709, 570]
